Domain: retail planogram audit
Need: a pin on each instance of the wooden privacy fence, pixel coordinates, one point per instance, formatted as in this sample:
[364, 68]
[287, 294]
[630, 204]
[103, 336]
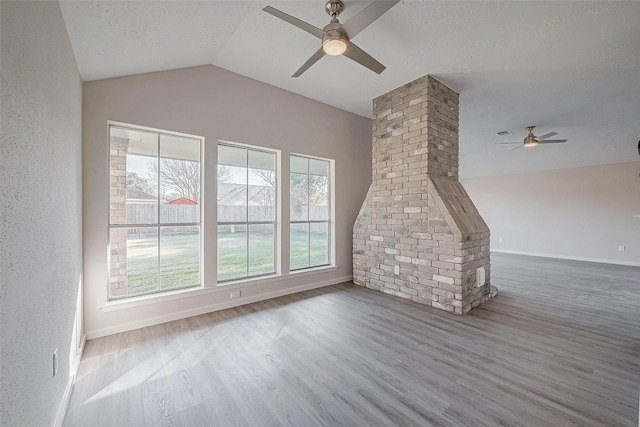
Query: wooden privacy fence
[147, 213]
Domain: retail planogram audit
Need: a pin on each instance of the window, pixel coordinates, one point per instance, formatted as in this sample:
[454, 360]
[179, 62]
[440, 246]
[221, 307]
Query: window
[154, 211]
[310, 212]
[246, 212]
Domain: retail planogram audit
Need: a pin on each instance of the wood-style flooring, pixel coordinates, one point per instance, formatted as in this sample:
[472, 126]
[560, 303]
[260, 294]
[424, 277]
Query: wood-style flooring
[559, 346]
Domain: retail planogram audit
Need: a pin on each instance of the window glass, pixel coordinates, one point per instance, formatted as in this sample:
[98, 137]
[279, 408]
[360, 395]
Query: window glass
[319, 244]
[309, 212]
[246, 212]
[179, 179]
[299, 197]
[232, 251]
[179, 256]
[261, 249]
[299, 243]
[262, 186]
[155, 184]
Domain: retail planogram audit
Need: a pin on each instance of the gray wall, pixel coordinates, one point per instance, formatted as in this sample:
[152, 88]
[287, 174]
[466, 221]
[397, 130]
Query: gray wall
[581, 213]
[218, 105]
[40, 210]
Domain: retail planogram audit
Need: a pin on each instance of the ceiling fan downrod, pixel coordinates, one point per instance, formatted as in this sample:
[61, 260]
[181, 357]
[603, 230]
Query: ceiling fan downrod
[334, 8]
[531, 140]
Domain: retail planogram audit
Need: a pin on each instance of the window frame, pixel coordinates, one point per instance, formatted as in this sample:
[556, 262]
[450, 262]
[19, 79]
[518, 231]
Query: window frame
[158, 225]
[330, 214]
[248, 223]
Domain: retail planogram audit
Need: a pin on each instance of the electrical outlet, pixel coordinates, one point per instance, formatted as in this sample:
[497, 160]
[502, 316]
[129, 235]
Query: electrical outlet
[235, 294]
[621, 248]
[500, 239]
[396, 269]
[481, 277]
[55, 362]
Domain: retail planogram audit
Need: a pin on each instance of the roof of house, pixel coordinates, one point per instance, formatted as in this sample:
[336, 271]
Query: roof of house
[136, 193]
[182, 201]
[234, 194]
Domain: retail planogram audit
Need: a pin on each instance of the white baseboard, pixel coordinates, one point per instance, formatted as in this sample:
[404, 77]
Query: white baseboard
[572, 258]
[62, 410]
[79, 359]
[210, 308]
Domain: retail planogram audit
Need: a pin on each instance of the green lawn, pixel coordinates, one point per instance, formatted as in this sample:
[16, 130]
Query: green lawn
[232, 254]
[180, 257]
[304, 254]
[179, 261]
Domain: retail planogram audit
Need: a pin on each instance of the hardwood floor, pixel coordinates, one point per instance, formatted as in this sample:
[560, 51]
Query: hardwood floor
[559, 346]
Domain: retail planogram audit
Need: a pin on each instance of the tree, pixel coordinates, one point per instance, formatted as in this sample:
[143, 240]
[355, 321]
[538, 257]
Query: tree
[318, 190]
[264, 194]
[178, 178]
[308, 190]
[136, 181]
[224, 173]
[304, 190]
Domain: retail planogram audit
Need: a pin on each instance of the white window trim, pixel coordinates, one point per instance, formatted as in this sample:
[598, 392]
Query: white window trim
[156, 298]
[277, 223]
[207, 287]
[332, 214]
[159, 292]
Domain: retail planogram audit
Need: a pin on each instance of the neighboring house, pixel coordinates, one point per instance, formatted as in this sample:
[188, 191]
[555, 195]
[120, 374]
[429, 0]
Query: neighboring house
[234, 194]
[135, 195]
[233, 199]
[182, 201]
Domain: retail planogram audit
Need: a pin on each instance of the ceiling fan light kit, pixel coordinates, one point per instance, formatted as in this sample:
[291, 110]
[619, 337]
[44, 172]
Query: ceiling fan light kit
[334, 42]
[336, 36]
[334, 45]
[531, 140]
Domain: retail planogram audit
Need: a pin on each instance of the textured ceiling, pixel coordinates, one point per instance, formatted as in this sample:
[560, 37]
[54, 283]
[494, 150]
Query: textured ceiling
[568, 67]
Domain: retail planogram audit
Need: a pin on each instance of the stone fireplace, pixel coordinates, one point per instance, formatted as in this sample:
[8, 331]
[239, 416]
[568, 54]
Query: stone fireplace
[418, 235]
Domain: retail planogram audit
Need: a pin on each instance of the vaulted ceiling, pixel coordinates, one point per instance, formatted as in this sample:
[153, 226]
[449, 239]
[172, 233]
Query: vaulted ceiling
[569, 67]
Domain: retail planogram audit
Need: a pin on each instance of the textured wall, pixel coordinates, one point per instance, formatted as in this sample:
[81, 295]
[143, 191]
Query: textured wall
[216, 104]
[418, 235]
[40, 210]
[580, 213]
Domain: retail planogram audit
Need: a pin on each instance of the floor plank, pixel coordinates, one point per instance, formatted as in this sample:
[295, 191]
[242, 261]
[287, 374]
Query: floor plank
[559, 346]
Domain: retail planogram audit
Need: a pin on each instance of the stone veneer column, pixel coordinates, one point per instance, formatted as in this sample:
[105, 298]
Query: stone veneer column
[418, 235]
[118, 215]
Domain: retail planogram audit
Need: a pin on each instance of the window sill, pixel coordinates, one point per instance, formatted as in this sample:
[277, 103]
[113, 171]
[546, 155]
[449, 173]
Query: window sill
[144, 300]
[241, 283]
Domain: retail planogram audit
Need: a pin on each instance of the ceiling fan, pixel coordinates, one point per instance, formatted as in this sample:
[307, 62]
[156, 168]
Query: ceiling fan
[336, 37]
[531, 140]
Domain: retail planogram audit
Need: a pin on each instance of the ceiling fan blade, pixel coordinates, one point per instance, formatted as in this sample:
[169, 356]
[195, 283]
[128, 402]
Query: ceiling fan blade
[552, 141]
[519, 146]
[363, 58]
[547, 135]
[519, 142]
[366, 17]
[314, 58]
[295, 21]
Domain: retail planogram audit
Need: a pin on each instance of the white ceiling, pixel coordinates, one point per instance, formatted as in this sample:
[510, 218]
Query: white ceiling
[570, 67]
